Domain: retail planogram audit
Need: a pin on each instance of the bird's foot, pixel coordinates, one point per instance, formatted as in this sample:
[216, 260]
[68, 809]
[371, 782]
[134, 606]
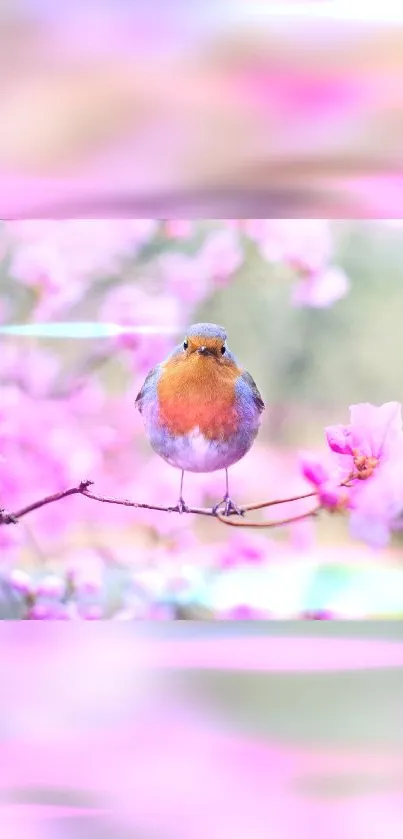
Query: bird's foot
[181, 507]
[230, 508]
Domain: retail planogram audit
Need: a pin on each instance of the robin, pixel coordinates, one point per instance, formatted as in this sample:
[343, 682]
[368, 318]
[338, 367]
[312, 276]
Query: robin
[201, 411]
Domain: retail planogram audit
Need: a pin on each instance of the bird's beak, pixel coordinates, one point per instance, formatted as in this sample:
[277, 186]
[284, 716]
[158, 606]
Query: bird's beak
[203, 351]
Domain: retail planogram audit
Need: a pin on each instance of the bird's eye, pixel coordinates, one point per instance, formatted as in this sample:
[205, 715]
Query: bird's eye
[223, 349]
[185, 345]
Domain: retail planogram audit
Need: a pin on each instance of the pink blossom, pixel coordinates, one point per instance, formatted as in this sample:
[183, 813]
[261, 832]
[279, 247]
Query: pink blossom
[221, 255]
[132, 305]
[85, 573]
[305, 244]
[176, 228]
[90, 611]
[35, 372]
[185, 277]
[244, 548]
[57, 258]
[243, 612]
[76, 248]
[313, 469]
[35, 435]
[303, 95]
[321, 289]
[318, 615]
[47, 611]
[374, 432]
[369, 454]
[42, 268]
[339, 438]
[331, 495]
[50, 586]
[21, 581]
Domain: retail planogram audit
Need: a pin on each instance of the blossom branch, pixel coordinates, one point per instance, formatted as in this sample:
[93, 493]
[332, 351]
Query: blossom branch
[84, 489]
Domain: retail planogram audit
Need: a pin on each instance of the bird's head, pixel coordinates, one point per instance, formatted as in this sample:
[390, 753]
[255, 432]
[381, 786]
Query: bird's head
[206, 340]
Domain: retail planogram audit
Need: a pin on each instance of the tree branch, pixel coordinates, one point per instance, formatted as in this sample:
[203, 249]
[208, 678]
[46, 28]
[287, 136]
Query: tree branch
[12, 518]
[83, 489]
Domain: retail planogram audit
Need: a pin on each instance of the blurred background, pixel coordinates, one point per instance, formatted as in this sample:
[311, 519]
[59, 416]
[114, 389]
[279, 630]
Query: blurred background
[312, 309]
[198, 730]
[236, 108]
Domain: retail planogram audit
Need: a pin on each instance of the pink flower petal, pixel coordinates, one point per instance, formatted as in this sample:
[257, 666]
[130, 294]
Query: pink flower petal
[313, 469]
[339, 438]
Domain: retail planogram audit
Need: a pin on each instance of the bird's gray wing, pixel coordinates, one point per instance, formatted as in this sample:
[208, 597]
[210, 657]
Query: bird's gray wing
[151, 380]
[248, 382]
[148, 386]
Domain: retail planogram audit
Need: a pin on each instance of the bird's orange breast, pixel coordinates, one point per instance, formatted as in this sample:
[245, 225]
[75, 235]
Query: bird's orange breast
[198, 392]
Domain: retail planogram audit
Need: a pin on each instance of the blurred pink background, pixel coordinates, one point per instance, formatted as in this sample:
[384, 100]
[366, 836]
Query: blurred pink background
[115, 109]
[117, 741]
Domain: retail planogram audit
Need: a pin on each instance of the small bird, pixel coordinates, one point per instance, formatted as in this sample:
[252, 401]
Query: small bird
[200, 410]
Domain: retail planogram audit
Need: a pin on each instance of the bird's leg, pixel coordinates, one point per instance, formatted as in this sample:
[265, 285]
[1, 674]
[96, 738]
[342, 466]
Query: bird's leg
[181, 506]
[229, 507]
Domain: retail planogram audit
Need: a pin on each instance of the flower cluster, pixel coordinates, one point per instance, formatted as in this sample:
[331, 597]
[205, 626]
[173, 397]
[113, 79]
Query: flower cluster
[306, 247]
[365, 475]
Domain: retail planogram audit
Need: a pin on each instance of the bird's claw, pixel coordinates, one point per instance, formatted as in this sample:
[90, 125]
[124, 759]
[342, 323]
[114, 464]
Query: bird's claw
[230, 508]
[181, 507]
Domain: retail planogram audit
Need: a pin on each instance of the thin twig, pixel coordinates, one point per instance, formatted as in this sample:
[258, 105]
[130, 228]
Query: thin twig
[265, 504]
[12, 518]
[278, 523]
[83, 489]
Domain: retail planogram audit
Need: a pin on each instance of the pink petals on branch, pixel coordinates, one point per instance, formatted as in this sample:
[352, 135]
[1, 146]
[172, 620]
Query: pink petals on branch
[368, 470]
[306, 246]
[58, 258]
[132, 305]
[369, 453]
[331, 495]
[322, 289]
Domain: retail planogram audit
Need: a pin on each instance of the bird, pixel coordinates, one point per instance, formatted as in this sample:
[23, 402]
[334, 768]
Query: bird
[201, 411]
